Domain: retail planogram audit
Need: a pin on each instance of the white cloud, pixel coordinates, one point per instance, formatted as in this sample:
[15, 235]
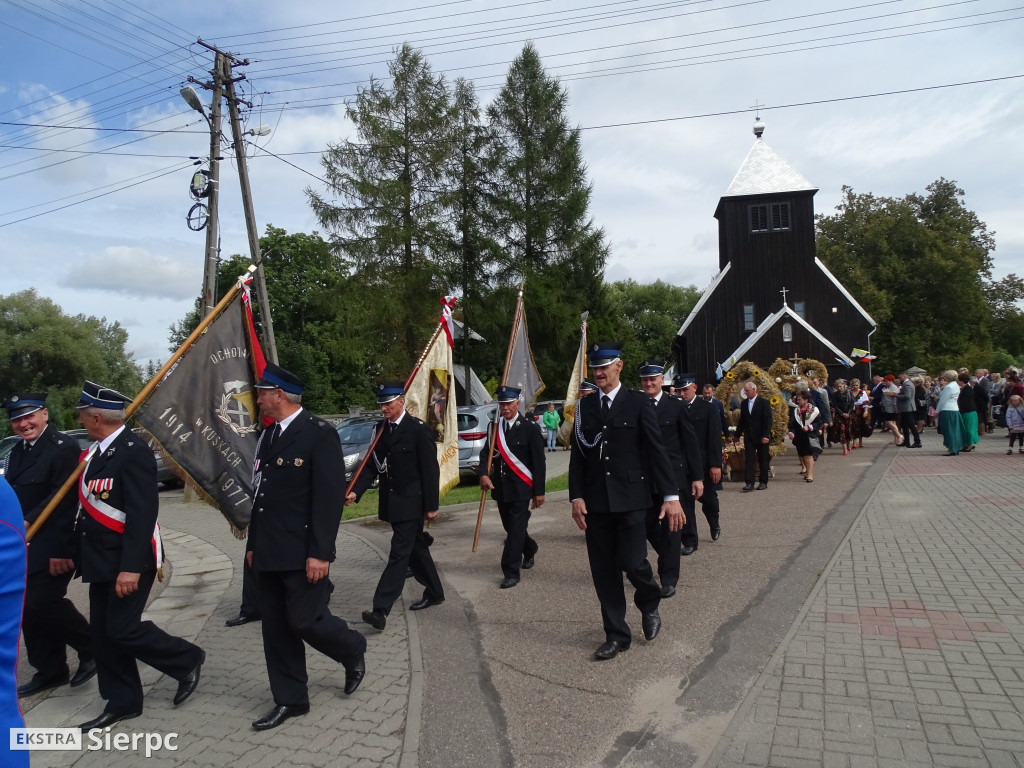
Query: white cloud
[131, 272]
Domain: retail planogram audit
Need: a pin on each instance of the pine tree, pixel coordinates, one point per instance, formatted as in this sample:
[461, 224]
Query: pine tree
[539, 210]
[390, 182]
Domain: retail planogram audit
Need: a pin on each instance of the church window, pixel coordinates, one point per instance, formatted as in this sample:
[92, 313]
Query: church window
[769, 217]
[800, 309]
[748, 317]
[787, 331]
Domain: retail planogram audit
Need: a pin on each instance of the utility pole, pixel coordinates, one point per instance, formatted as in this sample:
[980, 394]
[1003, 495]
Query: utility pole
[238, 142]
[212, 230]
[223, 78]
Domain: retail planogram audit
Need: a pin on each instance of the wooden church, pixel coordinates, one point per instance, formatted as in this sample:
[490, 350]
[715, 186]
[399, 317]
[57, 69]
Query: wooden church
[772, 296]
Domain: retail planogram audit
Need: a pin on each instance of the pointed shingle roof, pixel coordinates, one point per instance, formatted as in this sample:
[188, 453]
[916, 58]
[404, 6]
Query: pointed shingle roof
[766, 172]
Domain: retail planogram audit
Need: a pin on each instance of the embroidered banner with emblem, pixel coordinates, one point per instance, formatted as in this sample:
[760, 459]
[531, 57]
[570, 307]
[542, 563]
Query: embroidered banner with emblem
[203, 414]
[579, 372]
[430, 396]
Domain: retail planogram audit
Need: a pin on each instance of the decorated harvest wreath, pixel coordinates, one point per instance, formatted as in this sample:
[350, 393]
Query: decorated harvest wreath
[781, 372]
[730, 390]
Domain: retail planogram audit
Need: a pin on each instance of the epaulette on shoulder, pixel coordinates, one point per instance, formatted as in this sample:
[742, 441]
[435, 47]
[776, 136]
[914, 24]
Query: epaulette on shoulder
[418, 420]
[320, 423]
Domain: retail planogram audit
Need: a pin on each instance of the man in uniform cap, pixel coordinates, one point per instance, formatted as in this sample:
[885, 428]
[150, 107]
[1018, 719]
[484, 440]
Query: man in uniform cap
[36, 469]
[121, 552]
[684, 456]
[516, 479]
[298, 486]
[707, 426]
[611, 486]
[405, 460]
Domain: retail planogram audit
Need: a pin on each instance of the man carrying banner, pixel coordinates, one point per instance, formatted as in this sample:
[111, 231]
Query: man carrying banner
[299, 481]
[516, 479]
[121, 553]
[36, 469]
[405, 460]
[615, 431]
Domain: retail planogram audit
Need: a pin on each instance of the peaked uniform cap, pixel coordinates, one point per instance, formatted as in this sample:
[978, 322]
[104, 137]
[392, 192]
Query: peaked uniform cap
[604, 353]
[507, 394]
[388, 391]
[96, 396]
[23, 403]
[276, 377]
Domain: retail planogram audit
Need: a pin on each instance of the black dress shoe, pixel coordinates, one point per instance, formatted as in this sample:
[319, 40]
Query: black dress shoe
[240, 619]
[716, 534]
[528, 562]
[187, 684]
[762, 486]
[425, 602]
[86, 672]
[688, 549]
[375, 619]
[652, 625]
[509, 582]
[610, 650]
[354, 675]
[278, 715]
[39, 683]
[748, 487]
[668, 590]
[107, 718]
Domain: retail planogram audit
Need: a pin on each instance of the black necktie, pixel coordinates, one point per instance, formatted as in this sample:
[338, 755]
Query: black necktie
[654, 402]
[507, 427]
[606, 404]
[391, 427]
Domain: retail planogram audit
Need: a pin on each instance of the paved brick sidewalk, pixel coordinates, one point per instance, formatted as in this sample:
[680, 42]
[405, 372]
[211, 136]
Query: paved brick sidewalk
[367, 729]
[910, 650]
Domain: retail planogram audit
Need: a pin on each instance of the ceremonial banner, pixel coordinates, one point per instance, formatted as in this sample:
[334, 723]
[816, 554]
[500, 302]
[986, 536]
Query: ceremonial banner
[521, 371]
[203, 414]
[430, 396]
[579, 372]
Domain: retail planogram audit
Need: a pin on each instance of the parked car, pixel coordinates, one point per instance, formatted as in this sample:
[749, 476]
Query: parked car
[6, 446]
[356, 434]
[537, 412]
[473, 421]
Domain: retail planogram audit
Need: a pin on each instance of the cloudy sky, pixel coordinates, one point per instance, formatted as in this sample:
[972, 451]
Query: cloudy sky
[883, 96]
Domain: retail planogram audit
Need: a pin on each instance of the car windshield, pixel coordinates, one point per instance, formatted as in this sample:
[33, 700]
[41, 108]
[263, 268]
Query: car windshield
[466, 421]
[7, 445]
[356, 434]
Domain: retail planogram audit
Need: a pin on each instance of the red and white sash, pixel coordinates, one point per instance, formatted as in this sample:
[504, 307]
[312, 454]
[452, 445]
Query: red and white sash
[106, 515]
[511, 460]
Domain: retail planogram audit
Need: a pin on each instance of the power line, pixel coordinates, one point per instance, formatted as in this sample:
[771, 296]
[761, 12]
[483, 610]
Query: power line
[93, 128]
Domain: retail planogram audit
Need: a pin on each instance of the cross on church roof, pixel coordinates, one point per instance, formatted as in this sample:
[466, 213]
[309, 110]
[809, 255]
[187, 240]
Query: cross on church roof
[783, 292]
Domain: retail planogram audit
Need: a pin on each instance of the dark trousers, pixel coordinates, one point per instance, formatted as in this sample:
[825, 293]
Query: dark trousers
[250, 592]
[519, 545]
[409, 549]
[616, 545]
[909, 428]
[295, 611]
[51, 623]
[709, 505]
[667, 544]
[120, 638]
[756, 450]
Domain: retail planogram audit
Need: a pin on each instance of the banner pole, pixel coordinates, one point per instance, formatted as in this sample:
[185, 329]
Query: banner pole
[141, 397]
[490, 435]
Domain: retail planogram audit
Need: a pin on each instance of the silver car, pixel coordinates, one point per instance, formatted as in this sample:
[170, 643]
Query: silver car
[356, 434]
[473, 421]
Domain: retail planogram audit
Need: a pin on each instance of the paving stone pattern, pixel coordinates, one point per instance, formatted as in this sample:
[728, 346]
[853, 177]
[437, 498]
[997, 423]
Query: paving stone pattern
[910, 652]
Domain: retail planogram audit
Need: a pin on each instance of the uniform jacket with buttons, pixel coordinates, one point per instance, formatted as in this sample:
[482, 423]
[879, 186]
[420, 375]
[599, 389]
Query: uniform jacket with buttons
[405, 460]
[525, 441]
[35, 477]
[298, 502]
[130, 466]
[756, 425]
[680, 442]
[628, 464]
[706, 426]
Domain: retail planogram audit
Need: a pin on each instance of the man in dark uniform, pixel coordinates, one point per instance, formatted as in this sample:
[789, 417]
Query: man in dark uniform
[298, 486]
[405, 460]
[684, 456]
[755, 427]
[706, 426]
[36, 469]
[618, 461]
[121, 553]
[516, 479]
